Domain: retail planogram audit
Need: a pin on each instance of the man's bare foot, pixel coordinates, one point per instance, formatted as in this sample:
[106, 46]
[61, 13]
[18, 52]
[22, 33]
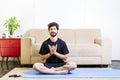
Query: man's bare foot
[55, 69]
[60, 71]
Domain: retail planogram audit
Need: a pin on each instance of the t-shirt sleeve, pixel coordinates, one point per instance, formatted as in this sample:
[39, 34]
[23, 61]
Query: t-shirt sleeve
[65, 48]
[43, 49]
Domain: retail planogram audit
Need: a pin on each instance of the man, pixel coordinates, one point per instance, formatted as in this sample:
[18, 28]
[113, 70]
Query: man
[55, 52]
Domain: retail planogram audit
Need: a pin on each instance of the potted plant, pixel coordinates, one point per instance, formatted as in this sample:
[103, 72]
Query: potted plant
[12, 24]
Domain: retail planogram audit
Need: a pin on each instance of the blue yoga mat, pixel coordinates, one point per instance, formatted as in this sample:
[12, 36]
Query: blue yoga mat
[77, 73]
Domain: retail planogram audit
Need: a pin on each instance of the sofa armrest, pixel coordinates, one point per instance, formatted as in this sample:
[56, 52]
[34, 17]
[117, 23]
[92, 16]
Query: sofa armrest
[26, 50]
[106, 45]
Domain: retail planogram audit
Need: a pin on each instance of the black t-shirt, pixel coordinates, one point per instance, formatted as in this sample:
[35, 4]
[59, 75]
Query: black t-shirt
[61, 48]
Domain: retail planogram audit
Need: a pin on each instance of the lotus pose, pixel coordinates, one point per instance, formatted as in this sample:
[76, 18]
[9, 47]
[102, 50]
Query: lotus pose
[54, 50]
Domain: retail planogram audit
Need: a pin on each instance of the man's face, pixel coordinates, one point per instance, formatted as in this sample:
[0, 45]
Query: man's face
[53, 31]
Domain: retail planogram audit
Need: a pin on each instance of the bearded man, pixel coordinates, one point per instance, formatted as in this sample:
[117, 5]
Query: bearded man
[55, 51]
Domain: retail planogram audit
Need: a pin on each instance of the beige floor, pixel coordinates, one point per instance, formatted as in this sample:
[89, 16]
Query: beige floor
[21, 71]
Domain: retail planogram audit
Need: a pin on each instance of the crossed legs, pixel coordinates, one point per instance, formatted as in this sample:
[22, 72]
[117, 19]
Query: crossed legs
[58, 70]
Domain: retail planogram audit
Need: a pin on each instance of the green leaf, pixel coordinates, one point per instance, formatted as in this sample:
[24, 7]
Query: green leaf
[12, 24]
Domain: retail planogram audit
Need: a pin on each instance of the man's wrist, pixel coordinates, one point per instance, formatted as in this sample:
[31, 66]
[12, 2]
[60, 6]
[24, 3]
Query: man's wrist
[50, 53]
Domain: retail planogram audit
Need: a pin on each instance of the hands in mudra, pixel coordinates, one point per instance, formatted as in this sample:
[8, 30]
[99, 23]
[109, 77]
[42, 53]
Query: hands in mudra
[52, 49]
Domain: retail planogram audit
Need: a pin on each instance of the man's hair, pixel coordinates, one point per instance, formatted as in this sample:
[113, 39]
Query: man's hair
[53, 24]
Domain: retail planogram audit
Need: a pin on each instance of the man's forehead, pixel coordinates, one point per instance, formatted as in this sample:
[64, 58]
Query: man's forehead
[53, 27]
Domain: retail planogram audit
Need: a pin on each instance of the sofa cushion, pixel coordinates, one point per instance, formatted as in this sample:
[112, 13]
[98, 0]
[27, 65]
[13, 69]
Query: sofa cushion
[84, 36]
[85, 60]
[65, 34]
[38, 34]
[83, 50]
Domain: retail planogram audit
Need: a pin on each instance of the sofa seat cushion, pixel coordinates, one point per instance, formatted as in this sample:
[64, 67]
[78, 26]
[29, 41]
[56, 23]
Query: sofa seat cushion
[85, 60]
[84, 50]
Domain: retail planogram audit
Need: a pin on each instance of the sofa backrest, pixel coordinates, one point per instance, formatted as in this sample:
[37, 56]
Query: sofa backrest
[71, 36]
[86, 35]
[39, 35]
[67, 35]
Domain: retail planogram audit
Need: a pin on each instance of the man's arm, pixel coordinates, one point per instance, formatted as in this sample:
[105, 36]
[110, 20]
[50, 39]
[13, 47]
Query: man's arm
[45, 56]
[61, 56]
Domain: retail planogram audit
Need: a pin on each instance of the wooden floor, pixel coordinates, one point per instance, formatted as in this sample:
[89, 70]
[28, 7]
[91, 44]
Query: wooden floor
[6, 67]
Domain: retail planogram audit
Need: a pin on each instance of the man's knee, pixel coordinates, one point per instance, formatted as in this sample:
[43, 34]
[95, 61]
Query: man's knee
[37, 65]
[72, 65]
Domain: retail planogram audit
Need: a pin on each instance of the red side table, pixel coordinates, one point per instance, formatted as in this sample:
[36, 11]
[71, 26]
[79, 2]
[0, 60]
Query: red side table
[10, 47]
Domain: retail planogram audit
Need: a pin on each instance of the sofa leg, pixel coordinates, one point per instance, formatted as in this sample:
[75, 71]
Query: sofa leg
[2, 60]
[104, 66]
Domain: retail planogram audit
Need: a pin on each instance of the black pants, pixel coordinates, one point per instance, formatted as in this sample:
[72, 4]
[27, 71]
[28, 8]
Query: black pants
[49, 65]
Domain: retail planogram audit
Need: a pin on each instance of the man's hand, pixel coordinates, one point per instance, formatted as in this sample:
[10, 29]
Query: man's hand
[52, 49]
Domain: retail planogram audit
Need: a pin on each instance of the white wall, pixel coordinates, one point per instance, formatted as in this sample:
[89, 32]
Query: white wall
[103, 14]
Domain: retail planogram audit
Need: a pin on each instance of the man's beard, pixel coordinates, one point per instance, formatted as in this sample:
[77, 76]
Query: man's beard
[53, 34]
